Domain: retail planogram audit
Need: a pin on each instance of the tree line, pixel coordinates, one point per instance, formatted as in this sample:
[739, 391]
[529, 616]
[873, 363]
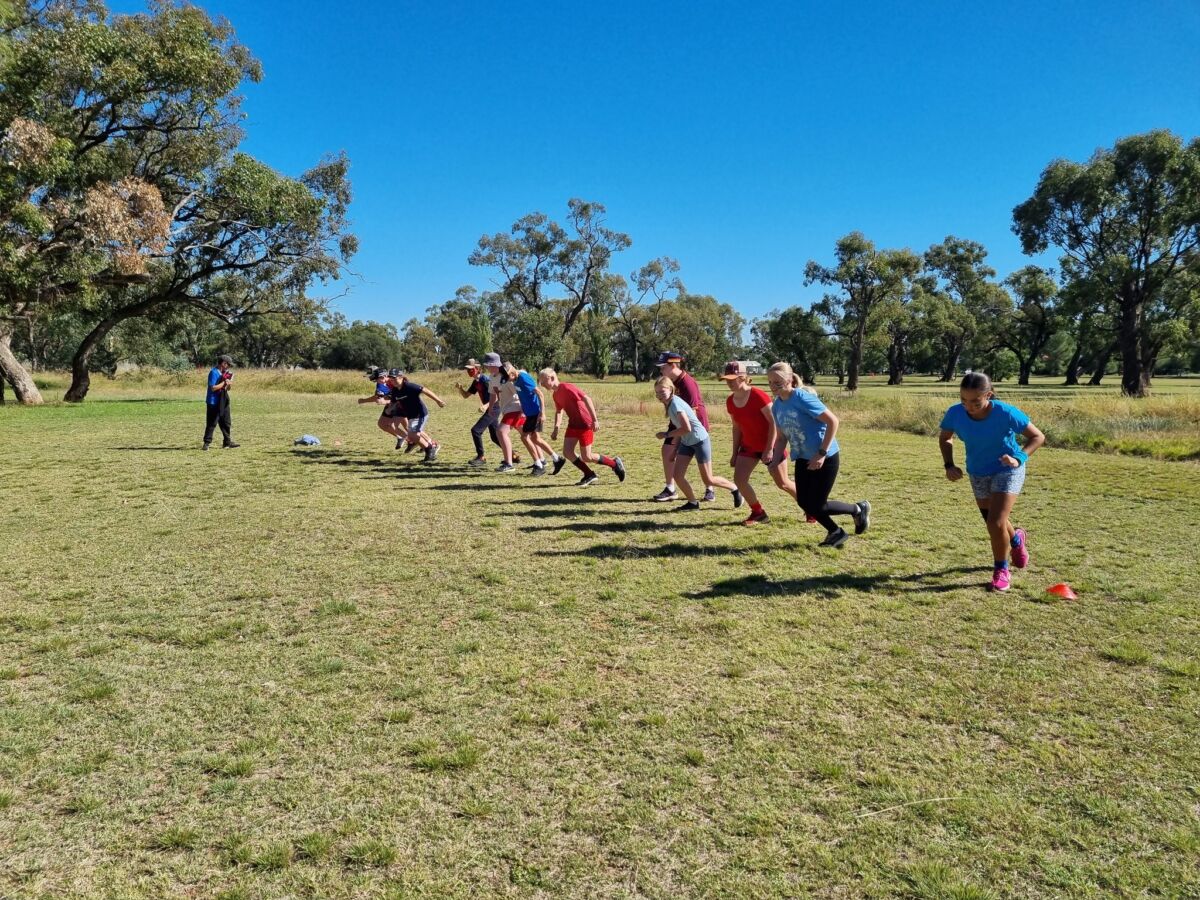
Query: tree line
[133, 228]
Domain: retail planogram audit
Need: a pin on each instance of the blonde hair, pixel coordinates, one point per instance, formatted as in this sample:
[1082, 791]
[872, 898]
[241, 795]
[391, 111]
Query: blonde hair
[547, 373]
[790, 375]
[664, 381]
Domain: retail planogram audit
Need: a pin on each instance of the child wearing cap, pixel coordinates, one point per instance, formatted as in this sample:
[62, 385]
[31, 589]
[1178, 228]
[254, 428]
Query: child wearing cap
[754, 436]
[995, 465]
[582, 423]
[670, 364]
[805, 423]
[506, 406]
[408, 395]
[391, 421]
[481, 388]
[693, 442]
[533, 409]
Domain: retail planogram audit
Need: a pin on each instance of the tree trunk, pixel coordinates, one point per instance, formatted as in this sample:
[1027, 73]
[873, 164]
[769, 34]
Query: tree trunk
[11, 369]
[1073, 366]
[1025, 371]
[856, 348]
[80, 378]
[896, 363]
[1135, 380]
[1101, 365]
[951, 364]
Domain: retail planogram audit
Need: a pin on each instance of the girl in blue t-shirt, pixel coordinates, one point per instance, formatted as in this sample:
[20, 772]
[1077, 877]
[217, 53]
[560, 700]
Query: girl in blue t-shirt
[805, 423]
[995, 465]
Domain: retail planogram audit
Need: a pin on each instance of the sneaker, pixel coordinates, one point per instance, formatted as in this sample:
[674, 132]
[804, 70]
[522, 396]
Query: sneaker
[688, 507]
[862, 518]
[205, 447]
[538, 470]
[559, 463]
[619, 468]
[757, 518]
[410, 448]
[230, 445]
[835, 538]
[506, 467]
[664, 495]
[587, 480]
[1001, 579]
[433, 452]
[1020, 553]
[477, 463]
[737, 498]
[809, 520]
[400, 442]
[709, 496]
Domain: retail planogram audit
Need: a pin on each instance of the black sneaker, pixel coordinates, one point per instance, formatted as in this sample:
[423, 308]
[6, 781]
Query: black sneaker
[619, 468]
[230, 445]
[709, 496]
[688, 507]
[664, 495]
[410, 448]
[835, 538]
[559, 463]
[862, 518]
[205, 447]
[538, 470]
[587, 480]
[400, 442]
[737, 498]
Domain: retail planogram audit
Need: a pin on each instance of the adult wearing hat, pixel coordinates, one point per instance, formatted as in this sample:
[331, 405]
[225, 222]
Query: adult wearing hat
[216, 403]
[481, 387]
[670, 363]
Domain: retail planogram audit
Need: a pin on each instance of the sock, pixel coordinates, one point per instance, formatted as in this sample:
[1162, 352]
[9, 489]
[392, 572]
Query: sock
[1015, 542]
[756, 507]
[607, 461]
[583, 467]
[1001, 564]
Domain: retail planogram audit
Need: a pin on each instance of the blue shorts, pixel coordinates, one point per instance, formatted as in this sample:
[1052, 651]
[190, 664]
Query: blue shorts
[417, 425]
[1007, 482]
[702, 451]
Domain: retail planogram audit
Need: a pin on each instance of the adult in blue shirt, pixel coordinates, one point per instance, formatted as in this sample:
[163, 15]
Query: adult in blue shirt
[216, 403]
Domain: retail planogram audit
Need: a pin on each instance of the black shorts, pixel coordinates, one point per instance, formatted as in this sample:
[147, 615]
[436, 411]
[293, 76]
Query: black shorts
[393, 411]
[533, 424]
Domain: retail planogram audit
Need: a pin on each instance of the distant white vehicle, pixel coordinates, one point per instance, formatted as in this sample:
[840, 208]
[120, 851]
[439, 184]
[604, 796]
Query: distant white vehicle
[753, 367]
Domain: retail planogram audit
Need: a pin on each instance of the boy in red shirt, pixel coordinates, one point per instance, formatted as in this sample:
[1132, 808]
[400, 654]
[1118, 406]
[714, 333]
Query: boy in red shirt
[754, 436]
[582, 424]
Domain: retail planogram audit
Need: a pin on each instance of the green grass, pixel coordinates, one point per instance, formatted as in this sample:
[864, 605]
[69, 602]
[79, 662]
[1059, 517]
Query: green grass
[337, 672]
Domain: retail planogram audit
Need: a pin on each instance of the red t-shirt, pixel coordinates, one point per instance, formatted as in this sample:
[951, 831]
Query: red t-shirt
[689, 392]
[750, 420]
[570, 400]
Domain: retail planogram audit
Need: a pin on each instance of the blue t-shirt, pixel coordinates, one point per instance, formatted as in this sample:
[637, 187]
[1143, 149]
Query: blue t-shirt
[797, 419]
[531, 403]
[409, 396]
[214, 378]
[988, 439]
[677, 412]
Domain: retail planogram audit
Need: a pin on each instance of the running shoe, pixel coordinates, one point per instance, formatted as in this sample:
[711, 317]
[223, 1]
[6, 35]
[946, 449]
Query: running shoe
[619, 468]
[664, 495]
[587, 480]
[411, 447]
[229, 445]
[1001, 579]
[862, 518]
[709, 496]
[559, 463]
[205, 447]
[538, 470]
[688, 507]
[506, 467]
[835, 538]
[757, 518]
[477, 463]
[737, 498]
[809, 520]
[432, 452]
[1020, 553]
[400, 443]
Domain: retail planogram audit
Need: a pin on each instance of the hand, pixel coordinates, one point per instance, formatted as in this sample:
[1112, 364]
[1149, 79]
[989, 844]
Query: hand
[441, 404]
[554, 435]
[953, 473]
[661, 435]
[733, 461]
[596, 425]
[817, 461]
[541, 421]
[768, 458]
[1011, 461]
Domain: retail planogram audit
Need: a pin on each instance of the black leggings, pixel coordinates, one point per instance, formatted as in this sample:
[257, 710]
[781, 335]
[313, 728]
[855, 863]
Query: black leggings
[487, 422]
[813, 488]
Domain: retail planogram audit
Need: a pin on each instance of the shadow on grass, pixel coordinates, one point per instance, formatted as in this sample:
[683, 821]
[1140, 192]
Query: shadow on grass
[938, 582]
[617, 526]
[177, 449]
[673, 550]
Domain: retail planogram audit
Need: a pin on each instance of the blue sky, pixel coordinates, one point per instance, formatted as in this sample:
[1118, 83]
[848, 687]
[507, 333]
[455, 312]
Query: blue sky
[742, 139]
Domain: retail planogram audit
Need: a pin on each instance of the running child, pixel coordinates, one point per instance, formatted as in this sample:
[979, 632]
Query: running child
[391, 420]
[409, 395]
[805, 423]
[582, 423]
[670, 364]
[533, 408]
[506, 406]
[754, 436]
[481, 388]
[995, 465]
[693, 442]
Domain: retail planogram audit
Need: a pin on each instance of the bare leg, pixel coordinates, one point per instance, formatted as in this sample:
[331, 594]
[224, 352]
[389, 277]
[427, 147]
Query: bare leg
[741, 477]
[1000, 529]
[711, 480]
[668, 458]
[679, 477]
[780, 475]
[506, 443]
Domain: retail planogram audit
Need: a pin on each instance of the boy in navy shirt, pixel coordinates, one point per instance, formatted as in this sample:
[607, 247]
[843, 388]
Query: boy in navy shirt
[216, 403]
[407, 395]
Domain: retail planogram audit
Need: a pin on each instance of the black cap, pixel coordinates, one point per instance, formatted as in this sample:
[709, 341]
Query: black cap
[669, 356]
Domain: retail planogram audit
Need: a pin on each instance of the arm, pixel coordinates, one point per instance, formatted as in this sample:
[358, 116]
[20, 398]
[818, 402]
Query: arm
[558, 413]
[1033, 439]
[684, 427]
[541, 404]
[465, 392]
[831, 427]
[737, 442]
[592, 409]
[434, 397]
[946, 445]
[772, 434]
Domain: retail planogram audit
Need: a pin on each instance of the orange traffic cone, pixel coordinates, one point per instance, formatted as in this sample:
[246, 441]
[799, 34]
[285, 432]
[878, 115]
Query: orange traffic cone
[1062, 589]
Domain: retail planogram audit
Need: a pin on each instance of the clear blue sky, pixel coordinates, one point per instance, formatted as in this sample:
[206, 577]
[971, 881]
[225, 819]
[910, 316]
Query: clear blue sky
[741, 138]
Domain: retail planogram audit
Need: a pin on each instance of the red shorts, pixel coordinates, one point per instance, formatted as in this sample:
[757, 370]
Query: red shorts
[585, 436]
[750, 453]
[513, 419]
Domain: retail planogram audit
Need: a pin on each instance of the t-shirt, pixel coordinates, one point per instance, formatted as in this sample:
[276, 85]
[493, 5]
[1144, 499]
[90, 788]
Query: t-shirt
[572, 401]
[215, 377]
[526, 388]
[506, 394]
[408, 394]
[677, 412]
[382, 389]
[750, 420]
[989, 438]
[688, 391]
[481, 387]
[797, 419]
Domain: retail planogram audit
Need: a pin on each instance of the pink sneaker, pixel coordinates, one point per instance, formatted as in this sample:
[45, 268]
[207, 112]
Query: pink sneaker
[1020, 553]
[1001, 580]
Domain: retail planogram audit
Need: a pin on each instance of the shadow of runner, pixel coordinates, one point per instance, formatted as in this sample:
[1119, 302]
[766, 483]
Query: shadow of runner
[673, 550]
[620, 525]
[833, 585]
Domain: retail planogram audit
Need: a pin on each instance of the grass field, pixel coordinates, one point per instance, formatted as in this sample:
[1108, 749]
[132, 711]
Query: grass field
[337, 672]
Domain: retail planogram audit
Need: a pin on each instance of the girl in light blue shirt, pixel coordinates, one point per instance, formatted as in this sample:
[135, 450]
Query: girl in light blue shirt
[693, 442]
